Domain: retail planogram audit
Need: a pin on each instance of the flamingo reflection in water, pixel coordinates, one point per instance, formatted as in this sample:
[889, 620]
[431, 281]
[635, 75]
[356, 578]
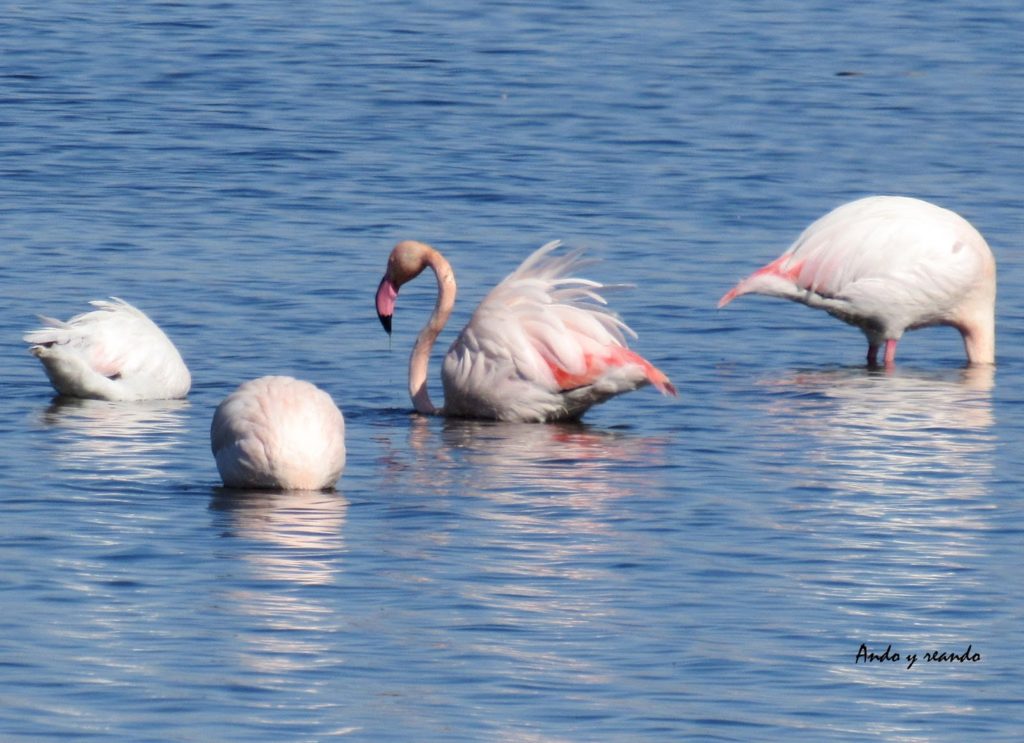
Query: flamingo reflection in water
[555, 491]
[576, 462]
[278, 539]
[888, 502]
[298, 533]
[104, 440]
[868, 432]
[526, 526]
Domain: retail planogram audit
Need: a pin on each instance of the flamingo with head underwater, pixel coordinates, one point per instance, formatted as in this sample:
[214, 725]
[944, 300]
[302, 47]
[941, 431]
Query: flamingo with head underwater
[888, 264]
[278, 433]
[541, 346]
[114, 352]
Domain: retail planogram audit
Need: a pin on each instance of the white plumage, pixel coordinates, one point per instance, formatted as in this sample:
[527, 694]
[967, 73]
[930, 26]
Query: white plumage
[114, 352]
[888, 264]
[278, 433]
[541, 346]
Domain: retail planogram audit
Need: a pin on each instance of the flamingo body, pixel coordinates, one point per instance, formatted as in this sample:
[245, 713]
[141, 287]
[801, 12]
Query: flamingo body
[888, 264]
[278, 433]
[541, 346]
[114, 352]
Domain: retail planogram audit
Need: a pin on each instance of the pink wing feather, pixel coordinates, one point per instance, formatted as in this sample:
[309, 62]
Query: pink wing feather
[896, 250]
[543, 346]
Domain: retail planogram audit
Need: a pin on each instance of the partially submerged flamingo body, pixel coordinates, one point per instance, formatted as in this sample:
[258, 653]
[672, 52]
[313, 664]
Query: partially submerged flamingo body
[278, 433]
[888, 264]
[540, 347]
[114, 352]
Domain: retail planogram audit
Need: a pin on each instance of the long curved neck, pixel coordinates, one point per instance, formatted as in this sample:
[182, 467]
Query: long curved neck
[420, 358]
[977, 321]
[980, 341]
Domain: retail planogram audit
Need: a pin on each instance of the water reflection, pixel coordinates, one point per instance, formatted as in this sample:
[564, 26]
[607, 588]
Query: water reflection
[524, 527]
[880, 432]
[895, 472]
[296, 535]
[288, 542]
[579, 463]
[526, 500]
[102, 440]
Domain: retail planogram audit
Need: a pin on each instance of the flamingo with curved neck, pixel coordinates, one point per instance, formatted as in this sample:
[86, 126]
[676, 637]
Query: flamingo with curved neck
[540, 347]
[407, 261]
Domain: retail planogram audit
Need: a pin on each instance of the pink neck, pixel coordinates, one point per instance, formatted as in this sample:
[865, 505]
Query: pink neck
[980, 344]
[420, 358]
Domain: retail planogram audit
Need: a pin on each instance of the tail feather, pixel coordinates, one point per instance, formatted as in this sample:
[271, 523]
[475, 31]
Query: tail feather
[661, 381]
[655, 376]
[601, 368]
[731, 295]
[53, 331]
[778, 278]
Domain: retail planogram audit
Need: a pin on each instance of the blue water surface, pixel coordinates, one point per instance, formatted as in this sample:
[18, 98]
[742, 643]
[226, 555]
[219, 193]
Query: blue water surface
[700, 568]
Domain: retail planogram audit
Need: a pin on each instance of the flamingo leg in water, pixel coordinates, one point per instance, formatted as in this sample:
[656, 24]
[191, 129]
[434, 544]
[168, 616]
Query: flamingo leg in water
[872, 354]
[890, 352]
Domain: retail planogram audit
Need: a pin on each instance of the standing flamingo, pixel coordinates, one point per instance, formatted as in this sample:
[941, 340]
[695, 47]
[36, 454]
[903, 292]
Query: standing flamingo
[114, 352]
[278, 433]
[888, 264]
[539, 347]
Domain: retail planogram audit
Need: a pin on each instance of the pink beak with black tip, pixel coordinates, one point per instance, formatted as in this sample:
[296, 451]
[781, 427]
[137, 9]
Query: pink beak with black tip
[386, 293]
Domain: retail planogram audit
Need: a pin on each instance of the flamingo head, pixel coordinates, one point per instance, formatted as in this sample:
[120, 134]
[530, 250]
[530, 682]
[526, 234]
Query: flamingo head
[406, 262]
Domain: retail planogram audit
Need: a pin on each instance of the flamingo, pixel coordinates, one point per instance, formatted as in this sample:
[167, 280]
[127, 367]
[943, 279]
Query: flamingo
[278, 433]
[888, 264]
[539, 347]
[114, 352]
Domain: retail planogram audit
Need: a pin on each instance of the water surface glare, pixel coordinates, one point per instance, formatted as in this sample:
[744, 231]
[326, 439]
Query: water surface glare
[704, 568]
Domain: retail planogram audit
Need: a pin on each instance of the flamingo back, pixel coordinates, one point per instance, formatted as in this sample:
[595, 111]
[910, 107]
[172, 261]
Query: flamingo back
[278, 432]
[886, 263]
[543, 345]
[114, 352]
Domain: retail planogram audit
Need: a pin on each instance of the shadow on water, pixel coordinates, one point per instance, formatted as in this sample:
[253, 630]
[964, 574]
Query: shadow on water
[119, 441]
